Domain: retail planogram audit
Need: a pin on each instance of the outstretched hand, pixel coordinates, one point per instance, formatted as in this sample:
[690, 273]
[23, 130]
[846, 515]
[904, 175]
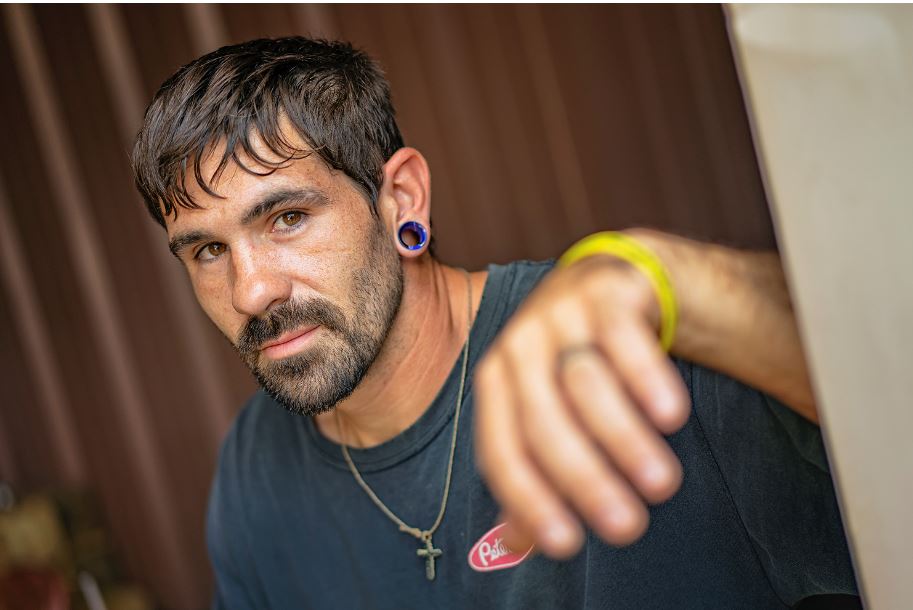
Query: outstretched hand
[572, 402]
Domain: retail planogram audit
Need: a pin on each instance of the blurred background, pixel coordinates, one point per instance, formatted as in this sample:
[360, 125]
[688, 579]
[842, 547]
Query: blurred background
[540, 123]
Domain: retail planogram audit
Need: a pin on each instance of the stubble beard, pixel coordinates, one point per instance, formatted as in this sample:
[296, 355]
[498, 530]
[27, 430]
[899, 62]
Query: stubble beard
[330, 369]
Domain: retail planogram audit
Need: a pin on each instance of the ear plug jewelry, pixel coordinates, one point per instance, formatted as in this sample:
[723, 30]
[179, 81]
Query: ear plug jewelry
[418, 232]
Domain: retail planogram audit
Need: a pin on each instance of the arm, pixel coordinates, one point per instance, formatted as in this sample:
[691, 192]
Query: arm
[736, 316]
[574, 396]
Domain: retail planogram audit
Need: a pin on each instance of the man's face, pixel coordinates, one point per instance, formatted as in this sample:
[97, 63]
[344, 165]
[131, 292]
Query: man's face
[299, 275]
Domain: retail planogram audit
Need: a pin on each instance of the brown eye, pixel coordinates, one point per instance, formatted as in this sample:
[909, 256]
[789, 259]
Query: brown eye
[290, 219]
[211, 251]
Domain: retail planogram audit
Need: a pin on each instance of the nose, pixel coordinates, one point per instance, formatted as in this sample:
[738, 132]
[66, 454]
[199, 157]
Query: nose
[257, 284]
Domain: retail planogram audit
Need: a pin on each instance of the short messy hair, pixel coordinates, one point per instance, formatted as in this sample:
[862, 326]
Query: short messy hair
[335, 97]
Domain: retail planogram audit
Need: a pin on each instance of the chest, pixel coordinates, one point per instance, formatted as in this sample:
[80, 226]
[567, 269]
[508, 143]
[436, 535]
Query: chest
[320, 542]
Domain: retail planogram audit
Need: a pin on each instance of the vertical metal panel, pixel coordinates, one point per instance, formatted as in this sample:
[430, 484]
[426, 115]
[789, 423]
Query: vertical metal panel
[419, 117]
[105, 319]
[38, 347]
[126, 94]
[536, 129]
[207, 28]
[497, 84]
[558, 135]
[316, 20]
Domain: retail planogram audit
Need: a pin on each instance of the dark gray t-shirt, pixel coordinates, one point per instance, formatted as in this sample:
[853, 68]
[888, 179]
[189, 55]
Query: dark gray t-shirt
[755, 524]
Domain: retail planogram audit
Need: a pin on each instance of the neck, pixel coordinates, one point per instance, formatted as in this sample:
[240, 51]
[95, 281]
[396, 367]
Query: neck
[425, 340]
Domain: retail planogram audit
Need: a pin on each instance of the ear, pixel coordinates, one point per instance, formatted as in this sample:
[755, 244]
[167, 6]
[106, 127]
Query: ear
[405, 197]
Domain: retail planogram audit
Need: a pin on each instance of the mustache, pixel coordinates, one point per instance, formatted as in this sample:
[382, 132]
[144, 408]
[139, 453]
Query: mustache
[287, 317]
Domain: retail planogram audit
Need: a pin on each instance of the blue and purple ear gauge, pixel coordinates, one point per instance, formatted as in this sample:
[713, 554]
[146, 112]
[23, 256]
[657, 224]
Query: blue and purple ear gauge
[412, 235]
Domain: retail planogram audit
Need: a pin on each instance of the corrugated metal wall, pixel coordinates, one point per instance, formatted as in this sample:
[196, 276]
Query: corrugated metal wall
[540, 123]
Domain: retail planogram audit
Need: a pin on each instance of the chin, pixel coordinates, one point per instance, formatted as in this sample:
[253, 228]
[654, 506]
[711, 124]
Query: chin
[304, 388]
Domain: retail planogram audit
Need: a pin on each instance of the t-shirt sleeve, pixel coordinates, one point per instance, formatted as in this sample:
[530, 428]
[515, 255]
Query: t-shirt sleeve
[775, 467]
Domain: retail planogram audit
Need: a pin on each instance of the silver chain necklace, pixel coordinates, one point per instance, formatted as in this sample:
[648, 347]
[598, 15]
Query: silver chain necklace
[428, 553]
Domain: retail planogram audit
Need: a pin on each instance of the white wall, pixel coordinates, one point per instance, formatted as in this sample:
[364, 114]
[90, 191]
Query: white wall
[830, 90]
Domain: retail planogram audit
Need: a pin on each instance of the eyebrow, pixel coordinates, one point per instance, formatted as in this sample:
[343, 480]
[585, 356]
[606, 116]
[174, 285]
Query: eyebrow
[302, 196]
[182, 241]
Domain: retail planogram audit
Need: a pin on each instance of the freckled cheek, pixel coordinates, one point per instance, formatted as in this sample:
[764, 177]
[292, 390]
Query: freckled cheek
[314, 265]
[215, 299]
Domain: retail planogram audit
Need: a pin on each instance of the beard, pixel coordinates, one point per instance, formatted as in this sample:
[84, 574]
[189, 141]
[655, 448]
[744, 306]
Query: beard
[330, 367]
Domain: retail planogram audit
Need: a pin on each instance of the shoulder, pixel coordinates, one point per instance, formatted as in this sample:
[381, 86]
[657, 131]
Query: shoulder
[506, 287]
[514, 281]
[728, 411]
[775, 471]
[523, 275]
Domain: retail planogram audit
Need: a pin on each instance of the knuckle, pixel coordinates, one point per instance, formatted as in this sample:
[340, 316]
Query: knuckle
[566, 306]
[518, 339]
[615, 328]
[632, 288]
[583, 377]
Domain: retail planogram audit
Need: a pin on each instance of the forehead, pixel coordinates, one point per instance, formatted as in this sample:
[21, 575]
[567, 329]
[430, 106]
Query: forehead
[238, 188]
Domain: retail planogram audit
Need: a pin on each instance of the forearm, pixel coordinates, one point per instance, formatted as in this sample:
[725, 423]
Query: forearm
[736, 316]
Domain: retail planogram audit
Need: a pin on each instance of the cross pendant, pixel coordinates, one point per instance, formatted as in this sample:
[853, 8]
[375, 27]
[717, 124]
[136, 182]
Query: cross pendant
[429, 553]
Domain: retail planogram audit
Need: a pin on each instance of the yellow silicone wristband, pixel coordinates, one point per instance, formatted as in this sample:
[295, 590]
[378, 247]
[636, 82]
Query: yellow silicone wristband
[644, 260]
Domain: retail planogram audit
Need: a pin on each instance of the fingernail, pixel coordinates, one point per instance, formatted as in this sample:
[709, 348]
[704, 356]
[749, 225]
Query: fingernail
[617, 517]
[558, 536]
[654, 474]
[665, 402]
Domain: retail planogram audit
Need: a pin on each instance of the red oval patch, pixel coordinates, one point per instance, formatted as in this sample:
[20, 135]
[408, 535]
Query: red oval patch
[489, 553]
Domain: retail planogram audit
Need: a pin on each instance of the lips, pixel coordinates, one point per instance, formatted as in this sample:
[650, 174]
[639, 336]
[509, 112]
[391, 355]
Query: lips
[287, 343]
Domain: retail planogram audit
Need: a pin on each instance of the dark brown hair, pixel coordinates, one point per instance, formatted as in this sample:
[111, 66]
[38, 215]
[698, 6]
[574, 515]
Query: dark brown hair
[333, 95]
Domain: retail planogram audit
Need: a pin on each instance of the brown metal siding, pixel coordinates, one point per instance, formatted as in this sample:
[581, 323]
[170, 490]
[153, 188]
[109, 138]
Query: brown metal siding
[541, 123]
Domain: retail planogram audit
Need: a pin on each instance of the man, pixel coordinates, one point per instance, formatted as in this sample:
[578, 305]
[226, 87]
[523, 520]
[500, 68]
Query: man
[303, 221]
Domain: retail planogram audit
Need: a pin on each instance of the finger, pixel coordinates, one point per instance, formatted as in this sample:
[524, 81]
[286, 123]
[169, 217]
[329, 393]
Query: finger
[619, 427]
[512, 477]
[569, 322]
[564, 452]
[633, 444]
[645, 370]
[517, 537]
